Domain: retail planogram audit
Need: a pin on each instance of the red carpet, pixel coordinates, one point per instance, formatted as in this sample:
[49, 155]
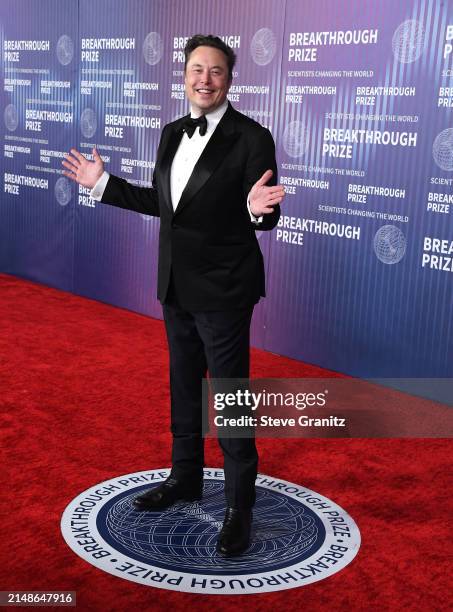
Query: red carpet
[84, 398]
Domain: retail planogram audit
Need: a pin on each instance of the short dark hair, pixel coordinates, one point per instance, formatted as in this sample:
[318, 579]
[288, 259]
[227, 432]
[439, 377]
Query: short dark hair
[202, 40]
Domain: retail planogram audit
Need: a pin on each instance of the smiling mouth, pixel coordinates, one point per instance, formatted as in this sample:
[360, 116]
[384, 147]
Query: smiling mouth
[205, 91]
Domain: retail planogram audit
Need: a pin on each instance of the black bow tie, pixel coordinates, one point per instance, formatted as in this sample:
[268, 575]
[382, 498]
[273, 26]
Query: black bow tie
[190, 125]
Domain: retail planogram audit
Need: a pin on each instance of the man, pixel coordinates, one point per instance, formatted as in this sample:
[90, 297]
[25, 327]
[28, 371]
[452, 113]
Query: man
[210, 192]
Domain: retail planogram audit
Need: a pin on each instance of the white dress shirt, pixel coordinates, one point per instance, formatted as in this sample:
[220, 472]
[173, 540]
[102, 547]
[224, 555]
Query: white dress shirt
[189, 152]
[186, 156]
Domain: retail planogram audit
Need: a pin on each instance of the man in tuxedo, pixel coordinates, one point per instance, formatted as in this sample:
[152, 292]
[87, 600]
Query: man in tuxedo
[214, 185]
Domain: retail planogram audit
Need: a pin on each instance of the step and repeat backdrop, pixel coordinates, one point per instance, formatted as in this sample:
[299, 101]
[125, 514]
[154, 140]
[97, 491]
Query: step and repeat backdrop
[358, 95]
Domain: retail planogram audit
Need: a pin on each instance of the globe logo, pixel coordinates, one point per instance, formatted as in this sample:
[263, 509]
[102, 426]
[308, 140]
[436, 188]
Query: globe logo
[184, 537]
[408, 41]
[175, 548]
[11, 117]
[443, 150]
[295, 139]
[153, 48]
[63, 192]
[65, 50]
[389, 244]
[88, 122]
[263, 46]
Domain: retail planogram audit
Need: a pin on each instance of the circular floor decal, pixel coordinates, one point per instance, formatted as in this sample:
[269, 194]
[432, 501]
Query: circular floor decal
[298, 536]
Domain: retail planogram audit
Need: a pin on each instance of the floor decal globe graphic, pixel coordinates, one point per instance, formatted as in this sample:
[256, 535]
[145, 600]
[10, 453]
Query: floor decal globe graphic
[65, 50]
[389, 244]
[443, 150]
[293, 529]
[408, 41]
[263, 46]
[152, 48]
[11, 117]
[184, 536]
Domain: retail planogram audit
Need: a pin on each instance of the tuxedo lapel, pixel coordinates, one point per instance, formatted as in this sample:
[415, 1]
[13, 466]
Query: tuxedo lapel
[167, 160]
[219, 144]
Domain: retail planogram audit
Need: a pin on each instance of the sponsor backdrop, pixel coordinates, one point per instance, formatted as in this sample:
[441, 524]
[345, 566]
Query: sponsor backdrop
[358, 95]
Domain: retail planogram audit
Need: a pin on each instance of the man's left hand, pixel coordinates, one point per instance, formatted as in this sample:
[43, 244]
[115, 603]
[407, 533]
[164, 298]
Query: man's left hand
[263, 198]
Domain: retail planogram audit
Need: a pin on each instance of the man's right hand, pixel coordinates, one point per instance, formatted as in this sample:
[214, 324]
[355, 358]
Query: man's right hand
[81, 170]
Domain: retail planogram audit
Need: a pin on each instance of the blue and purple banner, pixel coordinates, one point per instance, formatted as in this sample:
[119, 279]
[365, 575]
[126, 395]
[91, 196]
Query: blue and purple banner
[358, 96]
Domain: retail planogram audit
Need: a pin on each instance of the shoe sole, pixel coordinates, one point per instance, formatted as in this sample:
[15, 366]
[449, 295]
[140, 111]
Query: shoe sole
[226, 555]
[192, 498]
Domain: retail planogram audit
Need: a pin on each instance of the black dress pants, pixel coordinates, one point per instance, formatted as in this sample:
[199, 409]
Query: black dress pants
[218, 342]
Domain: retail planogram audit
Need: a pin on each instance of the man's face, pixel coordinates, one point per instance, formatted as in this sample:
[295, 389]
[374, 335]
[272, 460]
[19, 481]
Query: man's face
[206, 79]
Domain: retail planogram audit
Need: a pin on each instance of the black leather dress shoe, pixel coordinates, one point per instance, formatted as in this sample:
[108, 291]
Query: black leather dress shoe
[166, 494]
[234, 537]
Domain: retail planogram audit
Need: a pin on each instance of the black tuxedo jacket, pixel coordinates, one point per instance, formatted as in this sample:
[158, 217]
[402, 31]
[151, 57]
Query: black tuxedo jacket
[208, 244]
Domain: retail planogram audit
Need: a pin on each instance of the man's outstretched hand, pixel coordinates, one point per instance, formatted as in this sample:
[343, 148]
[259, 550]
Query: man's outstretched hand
[81, 170]
[263, 198]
